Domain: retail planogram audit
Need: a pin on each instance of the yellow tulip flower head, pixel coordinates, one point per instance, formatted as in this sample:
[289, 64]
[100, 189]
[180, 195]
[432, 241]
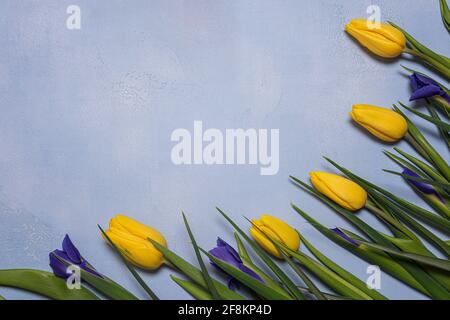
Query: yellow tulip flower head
[382, 39]
[132, 237]
[383, 123]
[343, 191]
[274, 228]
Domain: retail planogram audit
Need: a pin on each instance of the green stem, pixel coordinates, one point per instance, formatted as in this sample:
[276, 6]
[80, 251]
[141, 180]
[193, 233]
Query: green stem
[436, 64]
[418, 147]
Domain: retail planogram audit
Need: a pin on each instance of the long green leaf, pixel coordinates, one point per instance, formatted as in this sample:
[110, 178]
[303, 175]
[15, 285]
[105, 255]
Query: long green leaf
[439, 123]
[331, 279]
[43, 283]
[194, 273]
[250, 282]
[445, 135]
[138, 278]
[423, 180]
[420, 229]
[193, 289]
[212, 289]
[430, 152]
[267, 260]
[423, 49]
[430, 171]
[361, 285]
[433, 262]
[445, 13]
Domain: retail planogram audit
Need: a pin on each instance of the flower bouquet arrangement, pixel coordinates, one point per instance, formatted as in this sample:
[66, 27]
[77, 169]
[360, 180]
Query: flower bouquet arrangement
[253, 265]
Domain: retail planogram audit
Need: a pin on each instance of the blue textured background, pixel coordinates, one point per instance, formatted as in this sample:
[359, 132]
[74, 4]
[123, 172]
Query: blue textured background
[86, 118]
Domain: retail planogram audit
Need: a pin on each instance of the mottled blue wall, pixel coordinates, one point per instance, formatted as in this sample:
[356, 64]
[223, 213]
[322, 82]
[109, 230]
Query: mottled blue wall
[86, 118]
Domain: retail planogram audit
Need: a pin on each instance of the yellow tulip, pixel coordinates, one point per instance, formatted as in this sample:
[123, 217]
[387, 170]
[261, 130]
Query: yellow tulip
[383, 40]
[344, 192]
[132, 237]
[274, 228]
[385, 124]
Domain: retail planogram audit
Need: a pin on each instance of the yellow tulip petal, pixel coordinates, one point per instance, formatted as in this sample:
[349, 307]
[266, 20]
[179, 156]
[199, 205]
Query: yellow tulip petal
[385, 30]
[386, 124]
[260, 237]
[339, 189]
[138, 229]
[136, 250]
[384, 41]
[287, 235]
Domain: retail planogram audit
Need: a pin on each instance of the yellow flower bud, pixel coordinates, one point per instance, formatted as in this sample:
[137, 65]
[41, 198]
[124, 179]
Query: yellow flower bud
[383, 40]
[274, 228]
[132, 237]
[343, 191]
[385, 124]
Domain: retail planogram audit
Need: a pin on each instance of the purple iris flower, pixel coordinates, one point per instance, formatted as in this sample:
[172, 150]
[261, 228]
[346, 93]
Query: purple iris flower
[71, 255]
[343, 235]
[226, 253]
[424, 87]
[422, 186]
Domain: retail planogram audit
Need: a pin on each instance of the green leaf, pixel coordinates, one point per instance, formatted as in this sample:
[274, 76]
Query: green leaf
[445, 13]
[43, 283]
[430, 171]
[415, 137]
[391, 221]
[267, 260]
[193, 289]
[250, 282]
[331, 279]
[130, 267]
[425, 260]
[194, 273]
[420, 229]
[243, 253]
[2, 298]
[212, 289]
[375, 257]
[417, 247]
[432, 199]
[309, 283]
[103, 285]
[361, 285]
[423, 180]
[441, 124]
[444, 134]
[416, 45]
[433, 219]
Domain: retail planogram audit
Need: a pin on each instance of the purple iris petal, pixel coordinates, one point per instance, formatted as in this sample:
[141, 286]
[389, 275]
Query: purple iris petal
[424, 87]
[71, 250]
[228, 254]
[71, 255]
[345, 236]
[230, 249]
[59, 269]
[425, 188]
[422, 186]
